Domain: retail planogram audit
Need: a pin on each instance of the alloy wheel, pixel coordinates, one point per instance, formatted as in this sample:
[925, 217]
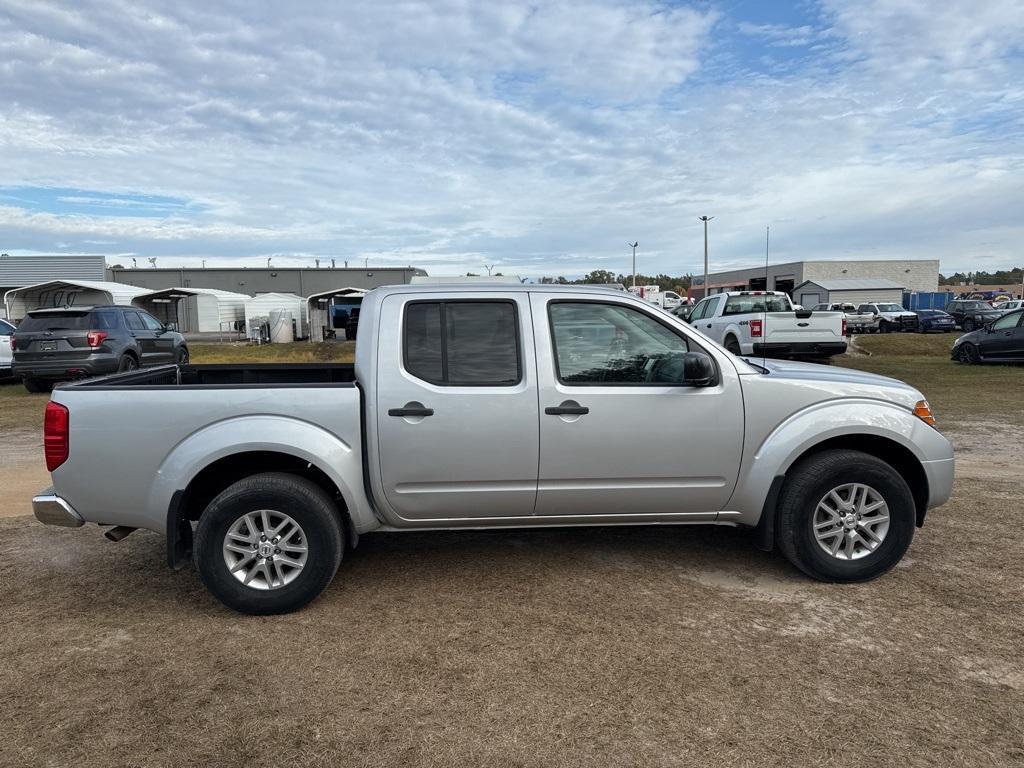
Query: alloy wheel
[851, 521]
[265, 549]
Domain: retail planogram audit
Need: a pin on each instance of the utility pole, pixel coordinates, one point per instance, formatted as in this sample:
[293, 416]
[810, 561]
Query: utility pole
[489, 268]
[705, 219]
[633, 245]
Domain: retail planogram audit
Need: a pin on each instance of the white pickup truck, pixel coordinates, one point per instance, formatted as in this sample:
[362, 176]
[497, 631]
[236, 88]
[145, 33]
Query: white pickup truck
[500, 406]
[765, 323]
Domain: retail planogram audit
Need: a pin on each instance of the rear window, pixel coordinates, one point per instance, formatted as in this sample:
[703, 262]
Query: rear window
[742, 305]
[56, 321]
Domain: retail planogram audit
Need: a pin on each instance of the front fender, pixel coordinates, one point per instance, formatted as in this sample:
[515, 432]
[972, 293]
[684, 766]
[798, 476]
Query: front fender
[340, 460]
[773, 455]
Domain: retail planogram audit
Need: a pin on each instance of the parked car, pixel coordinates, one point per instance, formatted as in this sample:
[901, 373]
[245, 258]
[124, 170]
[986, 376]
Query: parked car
[1001, 341]
[972, 313]
[765, 323]
[1009, 305]
[856, 322]
[934, 320]
[499, 408]
[891, 317]
[6, 332]
[52, 345]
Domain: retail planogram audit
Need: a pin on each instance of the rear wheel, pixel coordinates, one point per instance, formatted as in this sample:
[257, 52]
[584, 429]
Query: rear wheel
[269, 543]
[968, 354]
[732, 345]
[845, 516]
[127, 363]
[37, 385]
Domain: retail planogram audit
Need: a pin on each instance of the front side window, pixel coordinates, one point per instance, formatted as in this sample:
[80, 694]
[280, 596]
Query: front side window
[463, 343]
[613, 344]
[151, 322]
[1006, 321]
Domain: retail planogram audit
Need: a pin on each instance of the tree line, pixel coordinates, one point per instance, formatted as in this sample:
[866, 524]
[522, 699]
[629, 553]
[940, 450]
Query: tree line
[999, 277]
[665, 282]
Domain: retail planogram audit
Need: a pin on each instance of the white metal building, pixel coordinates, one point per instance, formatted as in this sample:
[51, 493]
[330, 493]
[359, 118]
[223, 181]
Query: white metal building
[195, 310]
[259, 307]
[853, 290]
[67, 293]
[332, 312]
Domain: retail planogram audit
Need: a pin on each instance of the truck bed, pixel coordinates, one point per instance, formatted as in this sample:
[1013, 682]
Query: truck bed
[226, 375]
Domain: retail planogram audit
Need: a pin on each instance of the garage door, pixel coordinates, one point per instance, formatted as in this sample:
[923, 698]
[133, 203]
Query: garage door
[808, 300]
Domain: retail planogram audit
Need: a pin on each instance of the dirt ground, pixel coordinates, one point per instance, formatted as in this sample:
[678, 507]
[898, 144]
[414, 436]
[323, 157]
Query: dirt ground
[596, 647]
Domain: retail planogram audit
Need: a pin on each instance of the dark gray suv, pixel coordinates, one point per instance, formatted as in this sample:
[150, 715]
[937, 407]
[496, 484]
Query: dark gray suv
[52, 345]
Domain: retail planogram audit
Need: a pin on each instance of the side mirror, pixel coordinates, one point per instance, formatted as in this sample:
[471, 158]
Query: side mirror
[698, 369]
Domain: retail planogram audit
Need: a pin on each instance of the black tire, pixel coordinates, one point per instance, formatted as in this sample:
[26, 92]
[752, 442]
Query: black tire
[37, 385]
[732, 345]
[884, 327]
[127, 363]
[968, 354]
[968, 325]
[307, 504]
[182, 356]
[809, 481]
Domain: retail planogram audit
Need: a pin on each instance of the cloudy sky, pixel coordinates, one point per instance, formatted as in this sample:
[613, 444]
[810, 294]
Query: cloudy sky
[538, 136]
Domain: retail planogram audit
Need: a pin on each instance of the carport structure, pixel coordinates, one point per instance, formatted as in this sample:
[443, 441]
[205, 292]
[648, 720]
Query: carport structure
[334, 314]
[68, 293]
[195, 310]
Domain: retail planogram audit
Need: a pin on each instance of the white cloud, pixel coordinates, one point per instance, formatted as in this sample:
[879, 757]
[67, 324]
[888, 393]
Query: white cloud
[541, 136]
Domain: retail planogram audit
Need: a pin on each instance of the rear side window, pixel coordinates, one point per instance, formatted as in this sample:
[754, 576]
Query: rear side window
[104, 321]
[6, 329]
[56, 321]
[133, 321]
[463, 343]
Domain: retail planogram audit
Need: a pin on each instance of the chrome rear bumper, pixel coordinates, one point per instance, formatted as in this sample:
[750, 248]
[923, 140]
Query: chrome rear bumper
[51, 509]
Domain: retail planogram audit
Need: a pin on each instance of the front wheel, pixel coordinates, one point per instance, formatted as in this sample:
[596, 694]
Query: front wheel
[733, 346]
[182, 356]
[968, 325]
[270, 543]
[884, 326]
[968, 354]
[845, 516]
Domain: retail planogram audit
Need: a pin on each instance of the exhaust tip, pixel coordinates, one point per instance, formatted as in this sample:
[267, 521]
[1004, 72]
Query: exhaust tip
[118, 532]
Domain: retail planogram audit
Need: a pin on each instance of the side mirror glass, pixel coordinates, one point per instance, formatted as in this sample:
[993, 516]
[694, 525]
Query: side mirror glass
[698, 369]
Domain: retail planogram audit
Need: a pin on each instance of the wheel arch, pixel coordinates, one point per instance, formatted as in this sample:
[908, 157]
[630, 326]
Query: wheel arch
[893, 453]
[188, 504]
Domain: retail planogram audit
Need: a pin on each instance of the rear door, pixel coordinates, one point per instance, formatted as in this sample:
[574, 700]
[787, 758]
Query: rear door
[145, 339]
[614, 439]
[6, 332]
[456, 406]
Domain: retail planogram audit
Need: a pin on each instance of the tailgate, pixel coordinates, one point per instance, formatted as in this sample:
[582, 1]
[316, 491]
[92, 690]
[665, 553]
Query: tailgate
[787, 328]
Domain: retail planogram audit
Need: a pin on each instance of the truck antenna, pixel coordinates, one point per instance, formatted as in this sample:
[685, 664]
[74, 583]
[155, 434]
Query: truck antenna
[764, 317]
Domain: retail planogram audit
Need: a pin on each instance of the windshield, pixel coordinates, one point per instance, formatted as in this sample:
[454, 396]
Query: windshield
[55, 321]
[975, 305]
[890, 308]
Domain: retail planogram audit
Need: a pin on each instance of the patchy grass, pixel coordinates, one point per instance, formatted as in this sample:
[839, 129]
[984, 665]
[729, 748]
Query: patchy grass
[959, 394]
[19, 409]
[297, 352]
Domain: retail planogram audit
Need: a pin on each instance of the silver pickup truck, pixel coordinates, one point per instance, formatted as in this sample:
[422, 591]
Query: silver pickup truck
[492, 407]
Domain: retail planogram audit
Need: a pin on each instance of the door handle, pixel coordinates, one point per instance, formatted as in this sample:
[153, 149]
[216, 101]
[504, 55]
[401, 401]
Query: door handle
[411, 410]
[568, 408]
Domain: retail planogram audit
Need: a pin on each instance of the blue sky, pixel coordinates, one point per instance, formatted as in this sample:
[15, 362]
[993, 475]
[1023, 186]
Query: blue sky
[538, 136]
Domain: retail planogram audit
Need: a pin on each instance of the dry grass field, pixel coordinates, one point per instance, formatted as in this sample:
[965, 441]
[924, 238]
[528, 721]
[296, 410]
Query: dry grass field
[581, 647]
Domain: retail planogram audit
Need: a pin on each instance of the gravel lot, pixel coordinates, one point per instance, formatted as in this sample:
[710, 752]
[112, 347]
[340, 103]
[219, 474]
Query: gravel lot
[639, 646]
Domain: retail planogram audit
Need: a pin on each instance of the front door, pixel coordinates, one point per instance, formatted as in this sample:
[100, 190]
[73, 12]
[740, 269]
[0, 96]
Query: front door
[456, 408]
[614, 437]
[163, 342]
[1005, 339]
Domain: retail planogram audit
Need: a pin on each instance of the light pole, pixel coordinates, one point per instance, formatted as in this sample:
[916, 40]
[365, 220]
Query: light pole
[633, 245]
[705, 219]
